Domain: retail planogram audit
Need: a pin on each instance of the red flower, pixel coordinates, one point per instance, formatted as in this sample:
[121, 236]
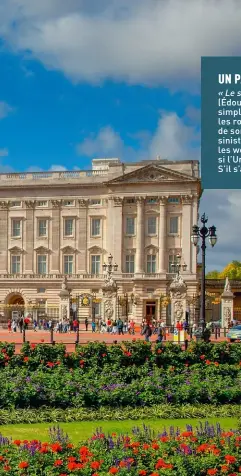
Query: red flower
[17, 442]
[95, 465]
[142, 472]
[56, 448]
[50, 364]
[212, 472]
[6, 468]
[202, 357]
[208, 362]
[113, 470]
[58, 462]
[26, 359]
[216, 364]
[81, 362]
[23, 464]
[32, 346]
[104, 355]
[224, 468]
[230, 459]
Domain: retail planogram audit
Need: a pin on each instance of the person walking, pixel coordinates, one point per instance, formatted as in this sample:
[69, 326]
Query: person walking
[159, 334]
[147, 332]
[9, 326]
[132, 327]
[120, 327]
[93, 325]
[75, 325]
[86, 324]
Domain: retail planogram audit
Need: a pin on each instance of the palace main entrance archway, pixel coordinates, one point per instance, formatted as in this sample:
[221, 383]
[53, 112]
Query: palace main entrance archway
[13, 307]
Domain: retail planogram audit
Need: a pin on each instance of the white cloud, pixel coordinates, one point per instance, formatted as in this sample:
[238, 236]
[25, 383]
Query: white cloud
[140, 42]
[107, 141]
[57, 168]
[173, 139]
[4, 152]
[5, 109]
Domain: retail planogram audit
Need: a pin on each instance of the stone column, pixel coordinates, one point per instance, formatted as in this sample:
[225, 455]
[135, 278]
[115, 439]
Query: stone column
[55, 236]
[29, 237]
[162, 234]
[187, 246]
[81, 235]
[5, 234]
[64, 302]
[140, 236]
[178, 290]
[227, 305]
[117, 231]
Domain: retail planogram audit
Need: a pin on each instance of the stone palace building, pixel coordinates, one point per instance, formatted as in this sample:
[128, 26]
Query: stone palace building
[56, 224]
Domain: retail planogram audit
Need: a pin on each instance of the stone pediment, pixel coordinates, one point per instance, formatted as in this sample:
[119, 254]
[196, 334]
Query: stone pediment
[153, 173]
[42, 249]
[15, 249]
[68, 249]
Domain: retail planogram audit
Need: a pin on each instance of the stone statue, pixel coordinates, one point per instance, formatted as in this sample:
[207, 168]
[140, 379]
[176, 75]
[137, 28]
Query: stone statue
[178, 311]
[227, 317]
[227, 286]
[64, 284]
[109, 309]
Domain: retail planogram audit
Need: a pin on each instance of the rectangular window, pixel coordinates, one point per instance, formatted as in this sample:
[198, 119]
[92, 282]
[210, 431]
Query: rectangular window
[95, 227]
[173, 200]
[96, 307]
[95, 202]
[68, 203]
[16, 228]
[173, 226]
[151, 226]
[68, 227]
[130, 226]
[130, 200]
[151, 264]
[42, 227]
[173, 259]
[152, 200]
[42, 264]
[130, 264]
[42, 203]
[16, 204]
[68, 264]
[41, 290]
[95, 264]
[15, 264]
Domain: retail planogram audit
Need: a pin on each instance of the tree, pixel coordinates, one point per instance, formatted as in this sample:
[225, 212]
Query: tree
[231, 271]
[213, 275]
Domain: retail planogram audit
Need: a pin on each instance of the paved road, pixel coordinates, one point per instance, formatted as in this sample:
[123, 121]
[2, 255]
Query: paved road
[70, 338]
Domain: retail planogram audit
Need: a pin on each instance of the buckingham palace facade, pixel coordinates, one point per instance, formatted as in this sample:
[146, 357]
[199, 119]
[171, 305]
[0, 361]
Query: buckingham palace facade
[56, 224]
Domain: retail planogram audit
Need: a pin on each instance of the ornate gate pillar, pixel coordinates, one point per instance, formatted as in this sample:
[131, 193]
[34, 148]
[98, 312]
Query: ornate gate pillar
[227, 298]
[64, 302]
[109, 291]
[178, 292]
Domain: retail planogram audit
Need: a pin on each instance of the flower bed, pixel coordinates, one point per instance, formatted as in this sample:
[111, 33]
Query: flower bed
[134, 374]
[204, 451]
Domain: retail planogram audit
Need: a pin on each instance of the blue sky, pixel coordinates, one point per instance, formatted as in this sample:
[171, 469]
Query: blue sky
[113, 78]
[49, 117]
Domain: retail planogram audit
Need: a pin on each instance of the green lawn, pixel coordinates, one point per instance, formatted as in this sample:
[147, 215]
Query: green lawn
[78, 431]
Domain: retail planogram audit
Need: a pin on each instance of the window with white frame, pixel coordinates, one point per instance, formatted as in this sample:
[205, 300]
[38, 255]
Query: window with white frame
[130, 264]
[151, 225]
[151, 264]
[173, 259]
[95, 227]
[16, 204]
[15, 264]
[95, 201]
[42, 203]
[16, 228]
[151, 200]
[68, 203]
[95, 264]
[173, 225]
[68, 227]
[42, 227]
[68, 264]
[42, 264]
[173, 200]
[130, 225]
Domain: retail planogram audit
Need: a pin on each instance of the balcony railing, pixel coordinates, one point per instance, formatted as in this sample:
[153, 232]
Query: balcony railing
[86, 276]
[68, 174]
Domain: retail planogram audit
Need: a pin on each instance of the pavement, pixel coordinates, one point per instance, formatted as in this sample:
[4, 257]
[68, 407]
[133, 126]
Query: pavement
[69, 339]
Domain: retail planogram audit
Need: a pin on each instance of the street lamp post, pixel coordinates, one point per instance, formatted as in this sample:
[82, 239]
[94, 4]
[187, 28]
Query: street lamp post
[178, 266]
[109, 268]
[203, 232]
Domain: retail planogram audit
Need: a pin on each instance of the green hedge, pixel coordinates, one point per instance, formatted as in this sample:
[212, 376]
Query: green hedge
[54, 415]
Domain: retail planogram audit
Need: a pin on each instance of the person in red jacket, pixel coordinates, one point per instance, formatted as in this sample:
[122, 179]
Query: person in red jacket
[179, 326]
